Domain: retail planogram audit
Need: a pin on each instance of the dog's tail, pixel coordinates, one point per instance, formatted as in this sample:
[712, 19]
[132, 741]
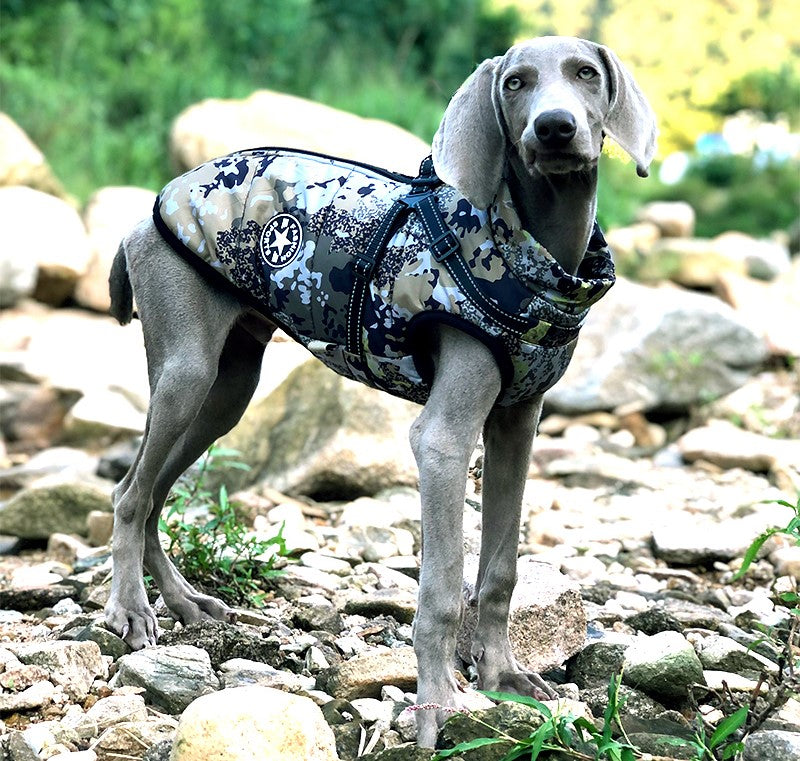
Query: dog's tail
[119, 286]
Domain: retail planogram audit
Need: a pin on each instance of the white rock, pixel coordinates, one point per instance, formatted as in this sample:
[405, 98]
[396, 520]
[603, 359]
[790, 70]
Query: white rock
[245, 723]
[109, 215]
[71, 665]
[62, 257]
[674, 219]
[217, 127]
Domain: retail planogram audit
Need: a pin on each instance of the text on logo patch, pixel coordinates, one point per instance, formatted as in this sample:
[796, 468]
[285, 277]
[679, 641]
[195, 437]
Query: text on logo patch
[281, 240]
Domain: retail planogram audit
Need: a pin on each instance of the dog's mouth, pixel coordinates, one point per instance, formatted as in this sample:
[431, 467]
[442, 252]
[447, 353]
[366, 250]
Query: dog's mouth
[558, 162]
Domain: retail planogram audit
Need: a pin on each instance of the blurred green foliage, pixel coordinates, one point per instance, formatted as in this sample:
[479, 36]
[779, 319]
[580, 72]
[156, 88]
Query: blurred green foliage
[97, 83]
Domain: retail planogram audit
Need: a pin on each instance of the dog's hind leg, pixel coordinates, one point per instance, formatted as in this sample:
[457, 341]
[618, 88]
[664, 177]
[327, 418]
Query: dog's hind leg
[185, 325]
[507, 437]
[237, 377]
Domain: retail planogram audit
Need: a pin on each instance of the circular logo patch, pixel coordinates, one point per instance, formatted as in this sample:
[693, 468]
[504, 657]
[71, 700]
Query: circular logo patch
[281, 239]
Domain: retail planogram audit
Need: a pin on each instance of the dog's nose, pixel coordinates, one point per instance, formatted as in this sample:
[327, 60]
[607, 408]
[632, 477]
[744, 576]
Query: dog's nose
[555, 128]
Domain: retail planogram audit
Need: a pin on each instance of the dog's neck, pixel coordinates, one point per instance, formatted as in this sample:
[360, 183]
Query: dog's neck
[557, 210]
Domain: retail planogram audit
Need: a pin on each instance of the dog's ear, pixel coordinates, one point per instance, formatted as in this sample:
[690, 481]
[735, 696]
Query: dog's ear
[469, 146]
[630, 120]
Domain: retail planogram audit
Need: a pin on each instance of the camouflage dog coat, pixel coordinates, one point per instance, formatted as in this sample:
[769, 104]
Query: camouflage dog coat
[288, 231]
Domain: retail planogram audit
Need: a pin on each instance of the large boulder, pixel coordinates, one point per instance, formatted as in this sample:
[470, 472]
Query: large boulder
[657, 348]
[109, 215]
[217, 127]
[773, 308]
[61, 254]
[21, 162]
[244, 723]
[54, 504]
[324, 435]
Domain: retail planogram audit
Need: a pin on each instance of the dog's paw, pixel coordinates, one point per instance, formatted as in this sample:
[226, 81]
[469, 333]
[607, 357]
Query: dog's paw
[191, 607]
[137, 626]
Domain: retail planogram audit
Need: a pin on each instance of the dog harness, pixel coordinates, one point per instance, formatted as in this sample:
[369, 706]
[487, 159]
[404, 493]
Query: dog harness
[354, 262]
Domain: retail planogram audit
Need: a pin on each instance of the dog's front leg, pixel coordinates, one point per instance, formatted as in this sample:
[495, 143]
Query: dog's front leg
[443, 438]
[507, 437]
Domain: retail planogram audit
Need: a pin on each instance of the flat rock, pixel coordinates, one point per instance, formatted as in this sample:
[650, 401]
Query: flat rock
[365, 674]
[246, 723]
[240, 672]
[30, 699]
[719, 653]
[729, 446]
[172, 676]
[129, 739]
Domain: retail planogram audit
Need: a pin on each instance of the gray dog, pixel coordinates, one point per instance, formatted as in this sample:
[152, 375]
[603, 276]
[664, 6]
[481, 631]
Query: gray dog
[464, 292]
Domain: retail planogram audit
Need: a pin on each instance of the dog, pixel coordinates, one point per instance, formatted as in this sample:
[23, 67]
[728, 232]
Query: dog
[516, 155]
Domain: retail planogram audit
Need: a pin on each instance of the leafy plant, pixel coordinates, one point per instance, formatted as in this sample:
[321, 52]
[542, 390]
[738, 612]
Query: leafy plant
[718, 747]
[208, 542]
[576, 737]
[792, 530]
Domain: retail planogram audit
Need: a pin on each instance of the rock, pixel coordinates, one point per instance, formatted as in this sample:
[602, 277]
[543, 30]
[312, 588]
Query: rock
[398, 603]
[99, 527]
[45, 332]
[315, 612]
[217, 127]
[244, 723]
[17, 275]
[172, 676]
[674, 219]
[546, 623]
[687, 540]
[34, 598]
[772, 744]
[31, 699]
[113, 709]
[598, 661]
[725, 444]
[764, 259]
[365, 674]
[59, 263]
[512, 719]
[53, 505]
[718, 653]
[22, 163]
[240, 672]
[110, 213]
[64, 461]
[323, 435]
[690, 262]
[628, 243]
[771, 309]
[662, 665]
[32, 415]
[102, 417]
[71, 665]
[108, 642]
[130, 739]
[654, 348]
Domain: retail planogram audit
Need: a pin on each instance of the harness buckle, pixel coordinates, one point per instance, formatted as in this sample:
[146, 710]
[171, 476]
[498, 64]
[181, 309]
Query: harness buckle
[443, 246]
[362, 265]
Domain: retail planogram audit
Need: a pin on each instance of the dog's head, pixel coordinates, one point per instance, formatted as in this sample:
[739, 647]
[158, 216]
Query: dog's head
[551, 99]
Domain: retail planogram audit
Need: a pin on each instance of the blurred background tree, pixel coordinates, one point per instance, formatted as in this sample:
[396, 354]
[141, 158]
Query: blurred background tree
[97, 83]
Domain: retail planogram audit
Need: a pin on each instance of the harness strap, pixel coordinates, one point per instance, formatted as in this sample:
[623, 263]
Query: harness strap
[441, 241]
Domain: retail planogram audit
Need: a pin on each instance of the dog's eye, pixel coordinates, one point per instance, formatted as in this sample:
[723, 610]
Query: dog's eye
[587, 72]
[514, 83]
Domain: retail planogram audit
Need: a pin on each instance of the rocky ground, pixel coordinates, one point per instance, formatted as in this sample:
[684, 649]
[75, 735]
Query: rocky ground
[637, 548]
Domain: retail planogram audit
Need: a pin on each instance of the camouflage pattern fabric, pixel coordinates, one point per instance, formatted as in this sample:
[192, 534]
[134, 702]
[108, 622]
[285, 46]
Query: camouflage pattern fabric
[281, 227]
